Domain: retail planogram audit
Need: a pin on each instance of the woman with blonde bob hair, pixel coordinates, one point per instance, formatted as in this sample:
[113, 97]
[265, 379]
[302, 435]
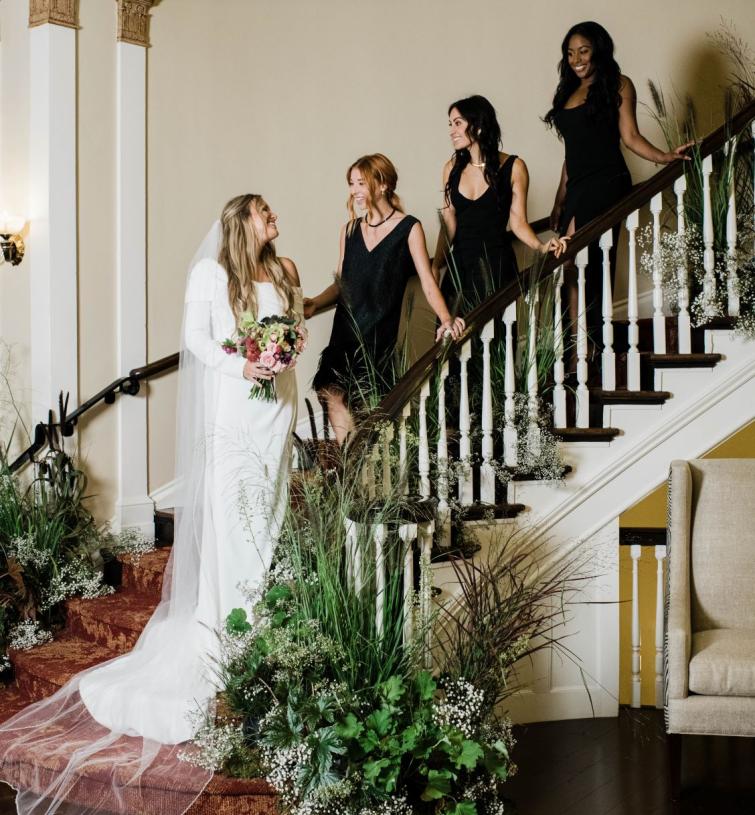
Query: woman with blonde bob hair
[232, 471]
[379, 251]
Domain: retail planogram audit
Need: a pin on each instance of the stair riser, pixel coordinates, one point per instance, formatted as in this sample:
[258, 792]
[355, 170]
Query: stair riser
[235, 805]
[111, 636]
[142, 581]
[33, 687]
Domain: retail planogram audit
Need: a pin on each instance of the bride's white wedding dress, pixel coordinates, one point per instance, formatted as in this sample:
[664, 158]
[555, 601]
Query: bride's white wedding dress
[111, 724]
[248, 450]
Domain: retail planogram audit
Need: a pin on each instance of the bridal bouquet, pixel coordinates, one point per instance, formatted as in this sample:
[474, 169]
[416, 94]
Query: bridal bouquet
[274, 342]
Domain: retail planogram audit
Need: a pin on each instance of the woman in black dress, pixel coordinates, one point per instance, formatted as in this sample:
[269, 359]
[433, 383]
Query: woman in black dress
[379, 252]
[484, 191]
[594, 110]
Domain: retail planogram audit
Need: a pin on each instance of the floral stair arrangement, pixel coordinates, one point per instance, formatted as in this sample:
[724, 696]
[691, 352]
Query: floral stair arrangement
[680, 261]
[338, 710]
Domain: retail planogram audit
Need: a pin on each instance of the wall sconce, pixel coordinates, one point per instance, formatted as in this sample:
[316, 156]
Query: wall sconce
[11, 241]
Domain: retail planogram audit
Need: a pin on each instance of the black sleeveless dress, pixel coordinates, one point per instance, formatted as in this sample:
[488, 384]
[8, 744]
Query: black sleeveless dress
[359, 354]
[482, 258]
[597, 177]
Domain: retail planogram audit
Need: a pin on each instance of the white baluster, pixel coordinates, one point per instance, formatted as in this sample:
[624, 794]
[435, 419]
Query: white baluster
[608, 357]
[732, 281]
[659, 319]
[444, 511]
[559, 392]
[379, 534]
[353, 556]
[408, 534]
[465, 447]
[487, 473]
[583, 394]
[368, 475]
[635, 552]
[425, 532]
[752, 130]
[509, 428]
[403, 463]
[683, 320]
[709, 260]
[633, 354]
[660, 556]
[424, 444]
[387, 438]
[533, 429]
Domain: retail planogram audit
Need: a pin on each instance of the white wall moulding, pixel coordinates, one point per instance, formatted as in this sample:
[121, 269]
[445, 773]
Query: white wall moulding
[133, 505]
[52, 254]
[55, 12]
[133, 21]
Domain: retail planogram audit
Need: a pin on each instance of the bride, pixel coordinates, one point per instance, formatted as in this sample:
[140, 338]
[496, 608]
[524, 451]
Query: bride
[96, 742]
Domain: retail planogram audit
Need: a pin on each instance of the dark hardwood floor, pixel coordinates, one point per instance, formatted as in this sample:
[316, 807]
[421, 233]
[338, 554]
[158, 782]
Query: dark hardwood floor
[616, 767]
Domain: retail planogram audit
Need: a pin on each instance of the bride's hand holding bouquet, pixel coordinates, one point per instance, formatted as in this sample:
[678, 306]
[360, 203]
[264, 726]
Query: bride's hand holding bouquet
[270, 345]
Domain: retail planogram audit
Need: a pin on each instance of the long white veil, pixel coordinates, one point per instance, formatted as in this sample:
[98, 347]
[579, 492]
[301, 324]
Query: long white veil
[119, 752]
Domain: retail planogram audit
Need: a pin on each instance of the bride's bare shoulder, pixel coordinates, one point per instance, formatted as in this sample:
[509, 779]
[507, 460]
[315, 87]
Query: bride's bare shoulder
[289, 267]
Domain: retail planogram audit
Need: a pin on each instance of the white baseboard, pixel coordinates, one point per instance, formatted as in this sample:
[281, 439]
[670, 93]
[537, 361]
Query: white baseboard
[135, 513]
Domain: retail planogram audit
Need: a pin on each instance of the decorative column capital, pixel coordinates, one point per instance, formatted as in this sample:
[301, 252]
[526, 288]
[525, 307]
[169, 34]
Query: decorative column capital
[56, 12]
[133, 21]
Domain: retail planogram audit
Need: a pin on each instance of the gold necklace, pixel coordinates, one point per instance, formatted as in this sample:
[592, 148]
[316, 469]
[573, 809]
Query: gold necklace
[480, 165]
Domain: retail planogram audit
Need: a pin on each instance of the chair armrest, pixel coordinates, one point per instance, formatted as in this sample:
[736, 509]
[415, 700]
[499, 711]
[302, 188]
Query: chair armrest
[678, 646]
[678, 597]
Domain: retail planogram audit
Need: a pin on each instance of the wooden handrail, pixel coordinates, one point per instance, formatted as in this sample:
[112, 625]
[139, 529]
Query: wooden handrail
[130, 385]
[393, 403]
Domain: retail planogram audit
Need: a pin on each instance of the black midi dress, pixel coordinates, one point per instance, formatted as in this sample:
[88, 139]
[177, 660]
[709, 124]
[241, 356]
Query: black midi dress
[359, 358]
[482, 257]
[597, 177]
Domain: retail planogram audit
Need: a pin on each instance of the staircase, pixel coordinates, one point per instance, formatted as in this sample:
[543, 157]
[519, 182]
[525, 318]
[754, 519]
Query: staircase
[100, 629]
[663, 391]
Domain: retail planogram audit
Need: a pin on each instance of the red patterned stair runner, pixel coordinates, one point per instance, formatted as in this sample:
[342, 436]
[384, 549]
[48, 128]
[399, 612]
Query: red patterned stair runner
[97, 630]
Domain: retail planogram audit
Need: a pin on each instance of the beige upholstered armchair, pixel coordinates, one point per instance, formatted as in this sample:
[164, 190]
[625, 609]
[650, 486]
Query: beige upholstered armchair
[710, 606]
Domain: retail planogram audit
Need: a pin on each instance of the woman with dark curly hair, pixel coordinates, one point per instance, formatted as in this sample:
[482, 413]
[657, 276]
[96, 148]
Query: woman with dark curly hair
[484, 191]
[594, 111]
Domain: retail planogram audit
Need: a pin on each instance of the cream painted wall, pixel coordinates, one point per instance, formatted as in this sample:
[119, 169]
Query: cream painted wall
[96, 179]
[15, 307]
[280, 98]
[97, 328]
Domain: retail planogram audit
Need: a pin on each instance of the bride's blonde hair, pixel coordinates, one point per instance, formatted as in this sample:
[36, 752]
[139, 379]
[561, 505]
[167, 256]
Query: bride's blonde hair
[244, 259]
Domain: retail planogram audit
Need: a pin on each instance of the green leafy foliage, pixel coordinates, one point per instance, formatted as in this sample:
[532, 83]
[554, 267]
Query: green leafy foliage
[330, 709]
[48, 539]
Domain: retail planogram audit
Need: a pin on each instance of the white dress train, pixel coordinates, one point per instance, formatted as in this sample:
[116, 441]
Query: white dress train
[92, 743]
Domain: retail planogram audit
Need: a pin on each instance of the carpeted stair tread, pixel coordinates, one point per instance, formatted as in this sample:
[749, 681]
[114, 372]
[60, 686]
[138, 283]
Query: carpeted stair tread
[114, 621]
[42, 670]
[144, 574]
[34, 769]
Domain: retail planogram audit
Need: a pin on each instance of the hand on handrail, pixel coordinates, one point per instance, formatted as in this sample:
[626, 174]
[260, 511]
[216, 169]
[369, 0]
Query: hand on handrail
[450, 330]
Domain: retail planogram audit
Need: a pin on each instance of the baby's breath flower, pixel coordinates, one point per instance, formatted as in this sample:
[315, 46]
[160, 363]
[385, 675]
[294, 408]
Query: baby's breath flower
[461, 708]
[27, 634]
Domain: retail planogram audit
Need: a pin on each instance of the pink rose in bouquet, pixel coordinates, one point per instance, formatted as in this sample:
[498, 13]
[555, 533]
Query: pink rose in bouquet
[274, 342]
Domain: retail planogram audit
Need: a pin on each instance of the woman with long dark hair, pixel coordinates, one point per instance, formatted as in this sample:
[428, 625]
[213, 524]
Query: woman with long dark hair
[594, 111]
[379, 251]
[485, 191]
